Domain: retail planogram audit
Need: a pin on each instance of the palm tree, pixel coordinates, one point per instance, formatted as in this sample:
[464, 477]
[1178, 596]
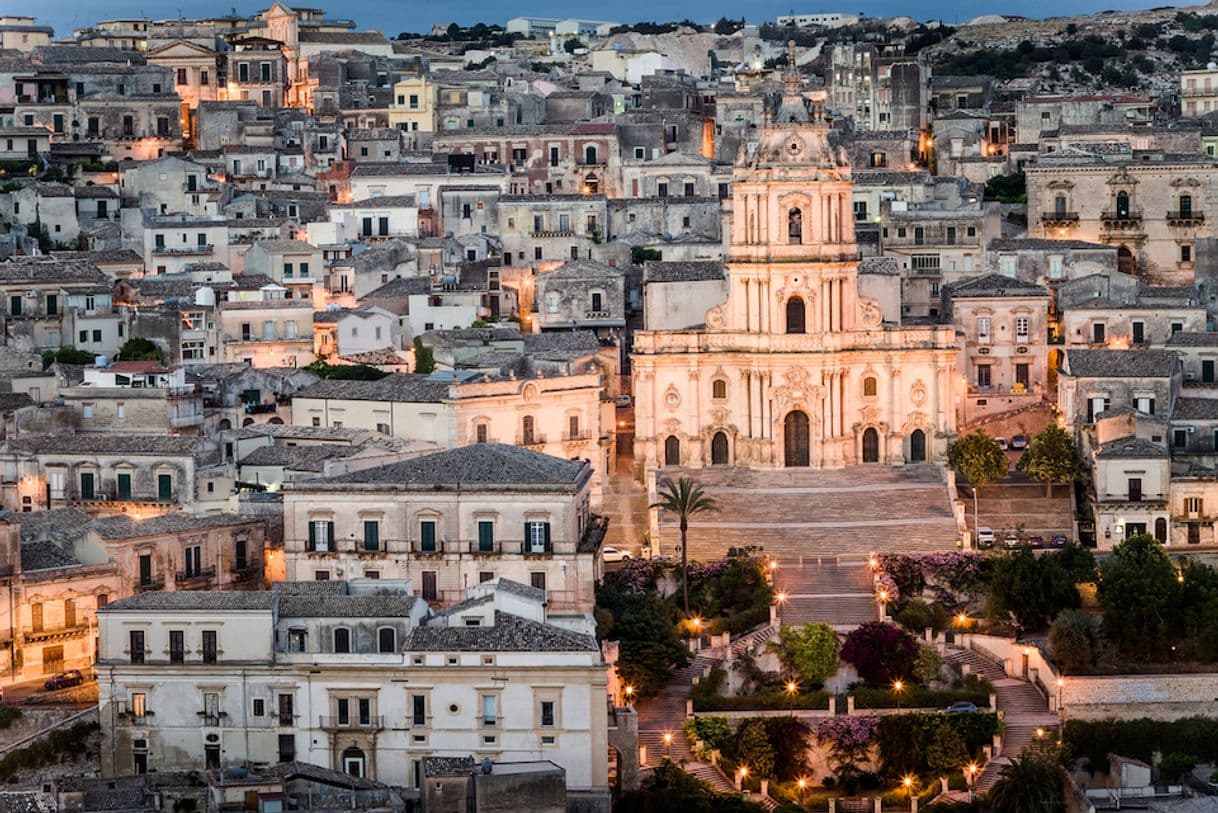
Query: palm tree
[1032, 783]
[684, 498]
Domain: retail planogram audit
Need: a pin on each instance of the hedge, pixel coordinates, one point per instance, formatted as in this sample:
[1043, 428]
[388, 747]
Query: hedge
[774, 701]
[739, 622]
[917, 697]
[904, 739]
[1140, 739]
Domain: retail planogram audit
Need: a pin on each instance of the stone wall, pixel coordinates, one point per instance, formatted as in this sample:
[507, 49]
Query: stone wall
[1128, 697]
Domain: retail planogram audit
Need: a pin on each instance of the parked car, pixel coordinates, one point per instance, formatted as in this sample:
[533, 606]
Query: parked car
[614, 555]
[1059, 541]
[64, 680]
[962, 707]
[1002, 443]
[1019, 442]
[985, 537]
[623, 401]
[1011, 541]
[1036, 541]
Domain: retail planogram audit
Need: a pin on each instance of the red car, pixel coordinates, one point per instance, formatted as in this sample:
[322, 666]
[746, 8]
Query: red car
[64, 680]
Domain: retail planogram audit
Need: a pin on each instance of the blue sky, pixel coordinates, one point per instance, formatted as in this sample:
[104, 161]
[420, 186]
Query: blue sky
[419, 15]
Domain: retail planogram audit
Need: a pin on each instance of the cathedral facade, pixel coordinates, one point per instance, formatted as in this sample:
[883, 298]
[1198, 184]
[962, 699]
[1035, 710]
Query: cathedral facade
[796, 368]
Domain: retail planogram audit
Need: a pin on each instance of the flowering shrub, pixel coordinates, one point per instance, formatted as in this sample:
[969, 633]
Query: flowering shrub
[880, 652]
[951, 575]
[637, 577]
[848, 739]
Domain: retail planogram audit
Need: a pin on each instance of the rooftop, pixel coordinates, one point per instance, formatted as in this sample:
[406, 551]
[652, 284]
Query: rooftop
[1121, 363]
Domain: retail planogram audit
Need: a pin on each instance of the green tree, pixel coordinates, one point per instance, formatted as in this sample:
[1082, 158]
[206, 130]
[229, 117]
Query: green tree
[685, 498]
[725, 26]
[809, 653]
[139, 349]
[1031, 589]
[928, 665]
[753, 748]
[978, 458]
[648, 648]
[67, 355]
[346, 372]
[1078, 562]
[1007, 188]
[1138, 593]
[1072, 641]
[1052, 458]
[947, 751]
[1175, 766]
[572, 45]
[1031, 783]
[424, 358]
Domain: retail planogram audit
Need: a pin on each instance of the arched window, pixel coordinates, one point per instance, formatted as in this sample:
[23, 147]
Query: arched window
[672, 451]
[342, 640]
[795, 227]
[869, 386]
[1122, 204]
[590, 154]
[795, 315]
[1060, 205]
[718, 388]
[386, 639]
[1186, 205]
[527, 437]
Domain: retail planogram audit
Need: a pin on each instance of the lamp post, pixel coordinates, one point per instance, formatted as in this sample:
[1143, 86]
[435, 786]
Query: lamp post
[792, 688]
[1060, 684]
[803, 785]
[629, 694]
[976, 519]
[970, 776]
[668, 743]
[897, 687]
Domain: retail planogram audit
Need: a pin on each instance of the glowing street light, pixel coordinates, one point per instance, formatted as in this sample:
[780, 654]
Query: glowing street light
[629, 694]
[781, 598]
[668, 742]
[897, 687]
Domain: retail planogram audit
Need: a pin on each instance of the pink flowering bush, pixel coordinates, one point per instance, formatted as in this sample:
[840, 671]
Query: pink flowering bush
[849, 740]
[953, 577]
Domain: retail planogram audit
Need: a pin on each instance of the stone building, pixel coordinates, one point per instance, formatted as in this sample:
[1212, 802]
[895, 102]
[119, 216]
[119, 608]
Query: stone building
[1004, 326]
[582, 295]
[1092, 382]
[796, 368]
[450, 520]
[879, 86]
[552, 227]
[355, 676]
[1151, 205]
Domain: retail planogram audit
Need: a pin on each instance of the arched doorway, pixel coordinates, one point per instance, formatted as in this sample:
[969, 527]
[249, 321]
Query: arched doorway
[1125, 261]
[719, 449]
[871, 445]
[672, 451]
[795, 439]
[247, 422]
[1161, 529]
[225, 423]
[795, 315]
[353, 762]
[917, 446]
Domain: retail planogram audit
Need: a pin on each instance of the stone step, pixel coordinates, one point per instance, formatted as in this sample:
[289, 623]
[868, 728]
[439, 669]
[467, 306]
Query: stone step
[844, 611]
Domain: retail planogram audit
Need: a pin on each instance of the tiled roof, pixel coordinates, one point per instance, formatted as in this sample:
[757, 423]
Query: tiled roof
[687, 271]
[449, 766]
[509, 633]
[1121, 363]
[886, 266]
[1195, 409]
[320, 605]
[106, 443]
[1041, 244]
[579, 269]
[1131, 447]
[44, 270]
[407, 387]
[124, 527]
[298, 458]
[45, 554]
[990, 285]
[175, 600]
[1193, 339]
[480, 464]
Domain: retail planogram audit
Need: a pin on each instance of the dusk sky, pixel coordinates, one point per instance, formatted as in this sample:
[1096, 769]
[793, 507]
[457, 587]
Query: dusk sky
[419, 15]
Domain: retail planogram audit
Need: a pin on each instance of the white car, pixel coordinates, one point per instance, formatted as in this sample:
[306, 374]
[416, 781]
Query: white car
[985, 537]
[623, 401]
[614, 555]
[1002, 443]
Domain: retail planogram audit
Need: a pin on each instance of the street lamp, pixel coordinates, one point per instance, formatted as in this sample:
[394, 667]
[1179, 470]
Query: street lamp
[1060, 684]
[970, 776]
[781, 598]
[668, 742]
[629, 694]
[803, 785]
[897, 687]
[908, 782]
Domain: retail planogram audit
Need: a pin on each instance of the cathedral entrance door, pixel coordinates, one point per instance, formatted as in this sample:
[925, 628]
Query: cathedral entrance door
[719, 449]
[917, 446]
[795, 439]
[672, 451]
[871, 446]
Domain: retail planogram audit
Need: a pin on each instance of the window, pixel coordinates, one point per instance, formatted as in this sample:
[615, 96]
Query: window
[1135, 489]
[372, 535]
[1144, 404]
[1192, 505]
[418, 709]
[538, 579]
[488, 710]
[795, 226]
[718, 388]
[527, 436]
[1097, 333]
[139, 705]
[241, 554]
[869, 387]
[342, 640]
[486, 536]
[1055, 268]
[177, 646]
[1186, 253]
[285, 715]
[427, 536]
[297, 640]
[919, 236]
[258, 707]
[983, 329]
[386, 639]
[1139, 332]
[210, 650]
[480, 433]
[321, 535]
[547, 713]
[1022, 324]
[983, 375]
[136, 639]
[537, 537]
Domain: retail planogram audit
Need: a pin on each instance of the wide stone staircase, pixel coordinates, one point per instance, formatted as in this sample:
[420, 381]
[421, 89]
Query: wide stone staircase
[1020, 502]
[1025, 711]
[793, 513]
[840, 594]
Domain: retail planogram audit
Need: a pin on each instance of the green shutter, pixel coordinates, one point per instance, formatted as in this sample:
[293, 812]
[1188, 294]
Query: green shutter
[330, 535]
[486, 536]
[428, 535]
[547, 527]
[372, 535]
[312, 544]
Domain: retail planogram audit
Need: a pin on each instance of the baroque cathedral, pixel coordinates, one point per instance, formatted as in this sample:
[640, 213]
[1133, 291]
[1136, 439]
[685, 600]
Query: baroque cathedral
[806, 364]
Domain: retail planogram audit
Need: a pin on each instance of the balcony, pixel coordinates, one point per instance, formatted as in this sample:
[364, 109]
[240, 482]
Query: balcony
[257, 338]
[185, 421]
[183, 251]
[1185, 218]
[32, 635]
[1121, 221]
[260, 409]
[373, 723]
[598, 315]
[554, 233]
[533, 441]
[183, 578]
[1059, 219]
[152, 584]
[212, 718]
[243, 570]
